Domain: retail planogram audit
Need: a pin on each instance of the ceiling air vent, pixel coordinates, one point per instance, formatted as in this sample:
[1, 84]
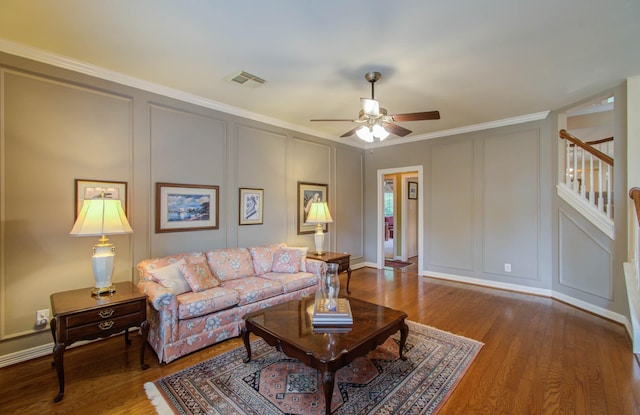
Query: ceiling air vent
[246, 79]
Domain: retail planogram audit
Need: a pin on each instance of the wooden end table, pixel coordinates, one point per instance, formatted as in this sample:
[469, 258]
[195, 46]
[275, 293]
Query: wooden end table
[288, 327]
[343, 261]
[79, 316]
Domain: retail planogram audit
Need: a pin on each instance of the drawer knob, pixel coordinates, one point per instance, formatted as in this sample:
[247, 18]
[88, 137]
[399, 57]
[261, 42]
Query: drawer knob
[106, 325]
[106, 313]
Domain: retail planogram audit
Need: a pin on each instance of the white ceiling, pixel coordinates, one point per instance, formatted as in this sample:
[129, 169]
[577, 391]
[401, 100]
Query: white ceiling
[475, 61]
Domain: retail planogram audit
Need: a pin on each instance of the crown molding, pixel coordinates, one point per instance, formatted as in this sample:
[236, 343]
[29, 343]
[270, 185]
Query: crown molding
[85, 68]
[467, 129]
[50, 58]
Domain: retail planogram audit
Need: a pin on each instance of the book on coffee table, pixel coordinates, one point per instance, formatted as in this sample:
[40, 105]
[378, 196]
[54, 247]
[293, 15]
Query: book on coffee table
[323, 315]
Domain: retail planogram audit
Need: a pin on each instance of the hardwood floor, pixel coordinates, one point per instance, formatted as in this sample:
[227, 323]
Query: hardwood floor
[540, 356]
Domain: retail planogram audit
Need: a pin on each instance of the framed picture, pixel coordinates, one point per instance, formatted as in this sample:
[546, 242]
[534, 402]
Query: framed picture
[413, 190]
[186, 207]
[92, 189]
[307, 194]
[251, 203]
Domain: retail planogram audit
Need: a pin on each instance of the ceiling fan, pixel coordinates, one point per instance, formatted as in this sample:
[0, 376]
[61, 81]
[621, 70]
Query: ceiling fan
[374, 120]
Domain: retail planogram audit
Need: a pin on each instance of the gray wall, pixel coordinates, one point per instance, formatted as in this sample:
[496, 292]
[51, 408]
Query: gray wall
[490, 198]
[486, 202]
[58, 126]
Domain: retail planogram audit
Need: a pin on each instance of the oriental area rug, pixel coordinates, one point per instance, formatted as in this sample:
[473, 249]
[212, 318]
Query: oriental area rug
[274, 384]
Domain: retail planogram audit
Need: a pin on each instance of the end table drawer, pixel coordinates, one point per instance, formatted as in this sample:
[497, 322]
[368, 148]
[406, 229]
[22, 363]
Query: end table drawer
[103, 314]
[104, 326]
[343, 263]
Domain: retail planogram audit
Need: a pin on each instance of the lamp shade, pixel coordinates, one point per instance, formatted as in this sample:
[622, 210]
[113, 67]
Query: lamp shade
[101, 217]
[319, 213]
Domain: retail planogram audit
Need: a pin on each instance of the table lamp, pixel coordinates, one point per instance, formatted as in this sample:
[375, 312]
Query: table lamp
[319, 214]
[100, 217]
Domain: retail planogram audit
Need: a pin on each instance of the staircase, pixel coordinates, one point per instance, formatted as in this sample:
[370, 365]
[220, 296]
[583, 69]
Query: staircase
[587, 184]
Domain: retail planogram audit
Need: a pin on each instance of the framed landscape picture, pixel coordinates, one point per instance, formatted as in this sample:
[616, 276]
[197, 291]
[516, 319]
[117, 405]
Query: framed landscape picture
[186, 207]
[307, 194]
[251, 206]
[92, 189]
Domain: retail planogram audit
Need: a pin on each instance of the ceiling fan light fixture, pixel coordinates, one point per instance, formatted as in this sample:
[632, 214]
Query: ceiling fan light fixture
[371, 107]
[380, 132]
[365, 134]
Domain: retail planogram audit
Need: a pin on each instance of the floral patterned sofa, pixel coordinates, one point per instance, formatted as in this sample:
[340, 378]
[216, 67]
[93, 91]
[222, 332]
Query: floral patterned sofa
[198, 299]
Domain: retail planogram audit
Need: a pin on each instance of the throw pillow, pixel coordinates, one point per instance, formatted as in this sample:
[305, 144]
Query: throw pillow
[286, 260]
[262, 257]
[198, 276]
[303, 251]
[171, 277]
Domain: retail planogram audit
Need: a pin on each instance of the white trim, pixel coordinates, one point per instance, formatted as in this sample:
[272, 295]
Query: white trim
[24, 355]
[602, 312]
[490, 284]
[466, 129]
[597, 218]
[633, 296]
[380, 216]
[47, 349]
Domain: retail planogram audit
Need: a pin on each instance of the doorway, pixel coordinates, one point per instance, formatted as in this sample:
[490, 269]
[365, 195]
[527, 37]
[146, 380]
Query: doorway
[400, 215]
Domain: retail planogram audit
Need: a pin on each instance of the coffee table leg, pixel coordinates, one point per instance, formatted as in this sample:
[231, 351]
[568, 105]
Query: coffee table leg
[328, 378]
[247, 344]
[404, 332]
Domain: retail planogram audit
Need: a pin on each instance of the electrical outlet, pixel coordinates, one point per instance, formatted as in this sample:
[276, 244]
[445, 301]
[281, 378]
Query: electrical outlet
[42, 317]
[507, 267]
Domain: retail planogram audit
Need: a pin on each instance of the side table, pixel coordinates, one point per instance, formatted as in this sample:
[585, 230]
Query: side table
[343, 261]
[79, 316]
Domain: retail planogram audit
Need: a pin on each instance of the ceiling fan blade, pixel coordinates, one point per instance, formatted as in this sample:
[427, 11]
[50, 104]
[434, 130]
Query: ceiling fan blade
[350, 132]
[397, 130]
[334, 119]
[416, 116]
[371, 107]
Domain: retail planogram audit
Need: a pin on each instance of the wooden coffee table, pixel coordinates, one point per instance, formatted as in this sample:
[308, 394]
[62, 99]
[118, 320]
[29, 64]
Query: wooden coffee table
[288, 327]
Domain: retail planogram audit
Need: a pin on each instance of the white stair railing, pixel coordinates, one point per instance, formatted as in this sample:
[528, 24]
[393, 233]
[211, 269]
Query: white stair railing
[589, 172]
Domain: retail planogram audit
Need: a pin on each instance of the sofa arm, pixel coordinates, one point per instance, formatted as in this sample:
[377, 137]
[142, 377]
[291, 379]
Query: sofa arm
[165, 305]
[316, 267]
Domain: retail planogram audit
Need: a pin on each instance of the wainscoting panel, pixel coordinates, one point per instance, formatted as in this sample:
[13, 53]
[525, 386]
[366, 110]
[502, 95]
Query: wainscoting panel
[187, 148]
[54, 132]
[261, 163]
[510, 204]
[450, 206]
[349, 203]
[585, 264]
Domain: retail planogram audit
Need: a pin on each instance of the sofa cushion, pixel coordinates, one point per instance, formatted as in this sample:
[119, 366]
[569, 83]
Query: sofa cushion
[147, 265]
[292, 282]
[252, 289]
[194, 304]
[198, 275]
[262, 257]
[303, 251]
[286, 260]
[230, 264]
[171, 277]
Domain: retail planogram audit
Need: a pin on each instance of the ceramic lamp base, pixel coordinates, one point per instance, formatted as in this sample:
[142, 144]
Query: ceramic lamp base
[102, 264]
[318, 238]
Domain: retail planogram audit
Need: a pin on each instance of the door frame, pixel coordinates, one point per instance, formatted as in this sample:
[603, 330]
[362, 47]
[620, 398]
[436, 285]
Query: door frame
[380, 216]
